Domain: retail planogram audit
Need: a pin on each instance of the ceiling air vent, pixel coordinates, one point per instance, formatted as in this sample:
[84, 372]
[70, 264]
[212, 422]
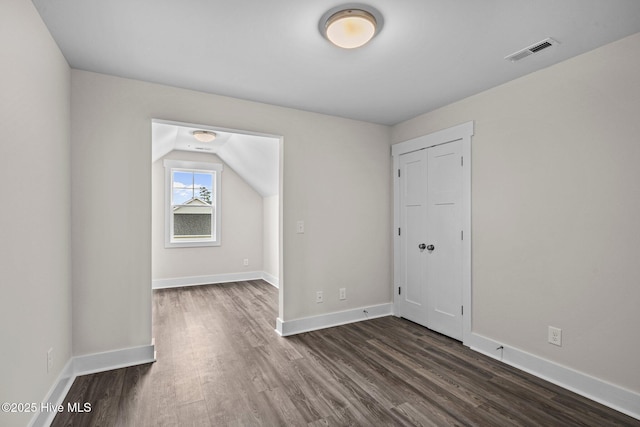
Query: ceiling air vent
[530, 50]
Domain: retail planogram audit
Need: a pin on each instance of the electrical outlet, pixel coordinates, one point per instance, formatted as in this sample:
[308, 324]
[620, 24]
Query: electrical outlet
[246, 261]
[343, 293]
[50, 360]
[555, 336]
[319, 297]
[300, 227]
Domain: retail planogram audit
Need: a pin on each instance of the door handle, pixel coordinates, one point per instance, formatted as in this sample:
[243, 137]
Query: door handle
[430, 247]
[422, 246]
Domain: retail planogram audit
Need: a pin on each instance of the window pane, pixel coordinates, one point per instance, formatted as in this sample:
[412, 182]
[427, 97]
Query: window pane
[203, 183]
[192, 205]
[182, 187]
[192, 222]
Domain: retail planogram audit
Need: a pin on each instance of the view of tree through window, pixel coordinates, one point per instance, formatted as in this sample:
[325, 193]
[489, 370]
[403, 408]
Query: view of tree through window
[191, 203]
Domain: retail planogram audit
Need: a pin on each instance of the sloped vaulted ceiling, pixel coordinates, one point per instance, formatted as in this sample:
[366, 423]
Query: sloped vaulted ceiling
[255, 158]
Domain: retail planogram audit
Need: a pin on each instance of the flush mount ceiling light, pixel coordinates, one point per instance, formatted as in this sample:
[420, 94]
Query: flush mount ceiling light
[204, 135]
[350, 26]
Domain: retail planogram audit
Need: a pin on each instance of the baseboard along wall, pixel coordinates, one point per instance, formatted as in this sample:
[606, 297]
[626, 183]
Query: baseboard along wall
[271, 279]
[611, 395]
[179, 282]
[307, 324]
[89, 364]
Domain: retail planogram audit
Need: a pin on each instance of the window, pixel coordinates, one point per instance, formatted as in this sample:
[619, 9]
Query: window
[192, 203]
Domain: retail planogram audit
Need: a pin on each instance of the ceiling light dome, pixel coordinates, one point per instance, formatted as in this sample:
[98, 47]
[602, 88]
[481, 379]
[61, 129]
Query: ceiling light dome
[350, 27]
[204, 135]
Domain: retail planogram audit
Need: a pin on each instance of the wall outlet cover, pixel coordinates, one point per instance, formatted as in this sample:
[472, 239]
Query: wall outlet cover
[555, 336]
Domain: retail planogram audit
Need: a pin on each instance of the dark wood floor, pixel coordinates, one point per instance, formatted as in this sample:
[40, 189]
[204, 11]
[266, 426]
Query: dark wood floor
[221, 363]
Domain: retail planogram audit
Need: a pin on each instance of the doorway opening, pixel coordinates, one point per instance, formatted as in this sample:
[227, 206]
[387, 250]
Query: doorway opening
[216, 206]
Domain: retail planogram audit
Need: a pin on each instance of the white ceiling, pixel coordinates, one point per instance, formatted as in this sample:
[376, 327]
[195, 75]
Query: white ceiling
[254, 157]
[428, 54]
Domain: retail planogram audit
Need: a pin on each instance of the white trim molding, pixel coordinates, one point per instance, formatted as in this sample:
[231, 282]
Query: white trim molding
[611, 395]
[89, 364]
[329, 320]
[271, 279]
[55, 396]
[178, 282]
[215, 169]
[100, 362]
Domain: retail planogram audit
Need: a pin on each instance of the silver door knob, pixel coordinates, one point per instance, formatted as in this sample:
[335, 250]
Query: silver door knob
[430, 247]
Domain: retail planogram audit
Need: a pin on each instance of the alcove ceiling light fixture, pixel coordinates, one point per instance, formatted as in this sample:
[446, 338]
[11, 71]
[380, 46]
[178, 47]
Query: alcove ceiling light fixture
[204, 135]
[350, 27]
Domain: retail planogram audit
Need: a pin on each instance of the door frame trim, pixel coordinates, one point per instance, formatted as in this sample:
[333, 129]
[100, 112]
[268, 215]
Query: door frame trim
[462, 132]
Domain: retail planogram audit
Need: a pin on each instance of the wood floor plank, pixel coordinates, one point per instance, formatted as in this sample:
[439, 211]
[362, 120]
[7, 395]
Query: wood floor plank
[133, 395]
[412, 416]
[220, 363]
[192, 414]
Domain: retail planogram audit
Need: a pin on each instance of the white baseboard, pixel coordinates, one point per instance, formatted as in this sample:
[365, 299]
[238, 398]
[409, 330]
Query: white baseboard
[179, 282]
[100, 362]
[89, 364]
[205, 280]
[271, 279]
[56, 396]
[337, 318]
[613, 396]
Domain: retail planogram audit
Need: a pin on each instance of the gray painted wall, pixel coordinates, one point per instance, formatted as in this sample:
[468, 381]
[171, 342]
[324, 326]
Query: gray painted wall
[336, 177]
[35, 253]
[555, 208]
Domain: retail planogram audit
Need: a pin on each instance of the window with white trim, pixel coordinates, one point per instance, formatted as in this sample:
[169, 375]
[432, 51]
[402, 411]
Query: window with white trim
[192, 203]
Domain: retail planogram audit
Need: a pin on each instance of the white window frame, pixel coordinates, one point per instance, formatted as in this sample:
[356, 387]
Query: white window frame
[183, 165]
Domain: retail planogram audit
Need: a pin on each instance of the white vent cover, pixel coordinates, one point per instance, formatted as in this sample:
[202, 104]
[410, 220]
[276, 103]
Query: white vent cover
[530, 50]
